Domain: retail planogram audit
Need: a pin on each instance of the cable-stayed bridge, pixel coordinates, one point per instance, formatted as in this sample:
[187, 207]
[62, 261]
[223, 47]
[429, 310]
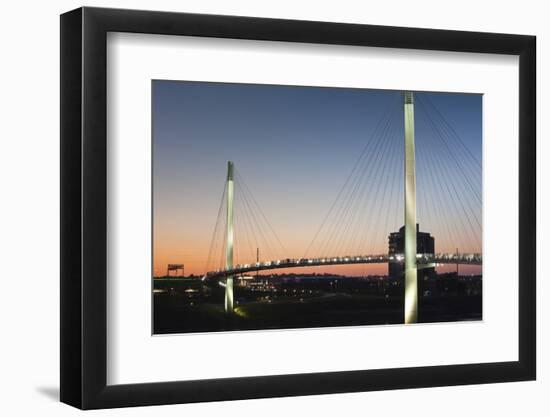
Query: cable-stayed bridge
[391, 183]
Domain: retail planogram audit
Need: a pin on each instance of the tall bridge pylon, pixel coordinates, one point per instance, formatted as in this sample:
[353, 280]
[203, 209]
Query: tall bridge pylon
[229, 241]
[411, 276]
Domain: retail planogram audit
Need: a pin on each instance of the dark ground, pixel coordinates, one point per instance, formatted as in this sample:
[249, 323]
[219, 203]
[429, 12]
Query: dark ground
[178, 312]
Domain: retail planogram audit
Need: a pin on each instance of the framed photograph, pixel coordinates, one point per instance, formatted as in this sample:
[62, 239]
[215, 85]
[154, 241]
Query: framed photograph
[257, 208]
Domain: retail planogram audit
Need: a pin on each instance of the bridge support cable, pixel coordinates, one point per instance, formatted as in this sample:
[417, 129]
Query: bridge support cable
[256, 222]
[373, 182]
[336, 207]
[247, 193]
[435, 219]
[216, 238]
[446, 205]
[361, 195]
[247, 212]
[373, 186]
[245, 223]
[458, 187]
[248, 238]
[381, 233]
[345, 205]
[396, 199]
[426, 101]
[261, 239]
[375, 232]
[353, 215]
[466, 164]
[356, 231]
[433, 185]
[458, 199]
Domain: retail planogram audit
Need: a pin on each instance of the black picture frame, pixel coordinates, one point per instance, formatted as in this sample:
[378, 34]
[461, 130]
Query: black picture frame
[84, 207]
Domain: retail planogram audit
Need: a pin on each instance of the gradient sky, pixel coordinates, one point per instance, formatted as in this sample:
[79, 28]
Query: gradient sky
[295, 147]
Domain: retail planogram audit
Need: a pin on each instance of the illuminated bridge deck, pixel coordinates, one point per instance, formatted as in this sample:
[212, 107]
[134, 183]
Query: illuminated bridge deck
[423, 260]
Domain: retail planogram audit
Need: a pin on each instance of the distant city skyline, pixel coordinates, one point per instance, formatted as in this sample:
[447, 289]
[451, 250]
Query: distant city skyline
[295, 147]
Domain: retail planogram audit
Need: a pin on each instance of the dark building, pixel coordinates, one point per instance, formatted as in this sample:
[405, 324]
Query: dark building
[425, 243]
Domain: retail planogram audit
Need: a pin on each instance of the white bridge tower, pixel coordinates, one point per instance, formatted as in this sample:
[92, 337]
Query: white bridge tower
[229, 241]
[411, 279]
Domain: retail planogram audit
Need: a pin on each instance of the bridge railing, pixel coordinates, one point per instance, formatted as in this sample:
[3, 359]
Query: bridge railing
[422, 258]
